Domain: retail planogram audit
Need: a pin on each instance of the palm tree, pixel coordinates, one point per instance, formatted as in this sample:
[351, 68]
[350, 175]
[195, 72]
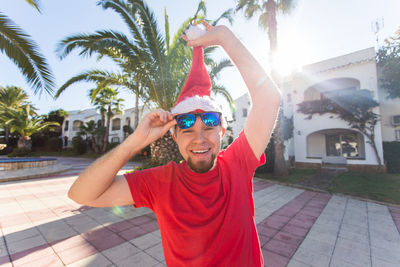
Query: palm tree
[154, 67]
[90, 129]
[106, 100]
[267, 21]
[25, 124]
[24, 52]
[11, 97]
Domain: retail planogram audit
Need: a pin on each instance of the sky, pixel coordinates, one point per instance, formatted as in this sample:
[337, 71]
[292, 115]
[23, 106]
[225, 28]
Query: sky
[314, 31]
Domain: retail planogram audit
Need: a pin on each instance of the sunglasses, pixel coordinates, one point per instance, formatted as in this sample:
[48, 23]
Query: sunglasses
[187, 120]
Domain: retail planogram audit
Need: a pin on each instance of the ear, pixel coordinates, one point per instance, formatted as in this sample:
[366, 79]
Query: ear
[174, 136]
[223, 130]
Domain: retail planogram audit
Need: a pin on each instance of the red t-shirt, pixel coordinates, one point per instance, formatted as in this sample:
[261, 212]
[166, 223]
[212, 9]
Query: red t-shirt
[205, 219]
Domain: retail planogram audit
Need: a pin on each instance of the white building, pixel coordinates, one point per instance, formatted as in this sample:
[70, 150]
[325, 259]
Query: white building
[325, 138]
[76, 118]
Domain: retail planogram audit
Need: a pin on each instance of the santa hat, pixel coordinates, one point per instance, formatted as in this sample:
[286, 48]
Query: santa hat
[196, 94]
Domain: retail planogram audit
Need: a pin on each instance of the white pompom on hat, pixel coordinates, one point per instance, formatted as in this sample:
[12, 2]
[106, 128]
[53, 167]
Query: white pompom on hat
[196, 93]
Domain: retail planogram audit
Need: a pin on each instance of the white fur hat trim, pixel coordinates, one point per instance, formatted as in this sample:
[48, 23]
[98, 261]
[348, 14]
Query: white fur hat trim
[195, 102]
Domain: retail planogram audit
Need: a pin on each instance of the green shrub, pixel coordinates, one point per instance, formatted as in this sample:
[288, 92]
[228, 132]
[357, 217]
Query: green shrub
[269, 152]
[20, 152]
[391, 152]
[79, 145]
[112, 145]
[146, 164]
[54, 144]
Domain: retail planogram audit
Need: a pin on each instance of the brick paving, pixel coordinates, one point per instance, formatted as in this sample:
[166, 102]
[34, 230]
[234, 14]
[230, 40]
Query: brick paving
[40, 226]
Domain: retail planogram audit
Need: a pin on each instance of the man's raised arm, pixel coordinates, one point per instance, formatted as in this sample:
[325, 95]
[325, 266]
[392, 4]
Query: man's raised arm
[264, 93]
[98, 185]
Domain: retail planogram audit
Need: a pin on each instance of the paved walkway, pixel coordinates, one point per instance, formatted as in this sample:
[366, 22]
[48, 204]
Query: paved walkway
[40, 226]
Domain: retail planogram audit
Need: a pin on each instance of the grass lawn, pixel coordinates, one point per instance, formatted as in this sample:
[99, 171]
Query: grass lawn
[382, 187]
[295, 176]
[376, 186]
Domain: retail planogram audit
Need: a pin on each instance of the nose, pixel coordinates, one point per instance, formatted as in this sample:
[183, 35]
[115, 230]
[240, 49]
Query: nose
[198, 130]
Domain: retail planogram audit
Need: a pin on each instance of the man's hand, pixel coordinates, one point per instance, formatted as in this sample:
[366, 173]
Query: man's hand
[153, 126]
[215, 35]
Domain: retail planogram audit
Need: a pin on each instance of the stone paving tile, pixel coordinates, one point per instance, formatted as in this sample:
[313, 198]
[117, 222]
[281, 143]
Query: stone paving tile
[5, 261]
[395, 212]
[32, 254]
[146, 241]
[156, 252]
[96, 260]
[120, 252]
[138, 260]
[74, 241]
[25, 244]
[272, 259]
[76, 253]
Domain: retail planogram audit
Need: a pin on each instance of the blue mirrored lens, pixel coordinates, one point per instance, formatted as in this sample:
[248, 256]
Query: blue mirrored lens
[210, 118]
[185, 121]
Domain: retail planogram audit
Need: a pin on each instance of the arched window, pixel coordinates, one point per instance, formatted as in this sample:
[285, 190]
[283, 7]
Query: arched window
[116, 124]
[76, 125]
[336, 143]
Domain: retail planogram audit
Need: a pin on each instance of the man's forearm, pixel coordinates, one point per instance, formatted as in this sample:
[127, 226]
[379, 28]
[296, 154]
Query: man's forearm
[264, 93]
[97, 178]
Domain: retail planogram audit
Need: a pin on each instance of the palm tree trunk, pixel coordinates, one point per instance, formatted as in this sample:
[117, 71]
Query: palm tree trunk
[107, 131]
[6, 134]
[24, 142]
[280, 167]
[272, 26]
[103, 124]
[371, 141]
[94, 144]
[136, 112]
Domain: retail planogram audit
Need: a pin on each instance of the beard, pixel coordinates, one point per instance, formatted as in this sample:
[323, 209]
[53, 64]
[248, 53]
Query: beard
[202, 166]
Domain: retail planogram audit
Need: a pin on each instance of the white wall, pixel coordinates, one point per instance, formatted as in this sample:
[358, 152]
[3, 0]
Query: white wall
[241, 103]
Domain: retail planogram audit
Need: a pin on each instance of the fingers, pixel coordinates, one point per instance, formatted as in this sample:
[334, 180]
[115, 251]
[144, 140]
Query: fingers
[162, 115]
[184, 38]
[206, 40]
[207, 26]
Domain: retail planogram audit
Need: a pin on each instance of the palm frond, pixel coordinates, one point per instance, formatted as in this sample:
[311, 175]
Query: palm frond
[99, 42]
[285, 6]
[263, 21]
[215, 71]
[35, 4]
[228, 15]
[221, 90]
[24, 52]
[127, 11]
[166, 25]
[201, 7]
[102, 77]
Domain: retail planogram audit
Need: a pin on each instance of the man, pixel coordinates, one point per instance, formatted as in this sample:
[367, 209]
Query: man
[204, 205]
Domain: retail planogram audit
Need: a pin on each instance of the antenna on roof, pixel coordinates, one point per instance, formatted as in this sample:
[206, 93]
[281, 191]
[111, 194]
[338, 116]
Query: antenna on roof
[376, 26]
